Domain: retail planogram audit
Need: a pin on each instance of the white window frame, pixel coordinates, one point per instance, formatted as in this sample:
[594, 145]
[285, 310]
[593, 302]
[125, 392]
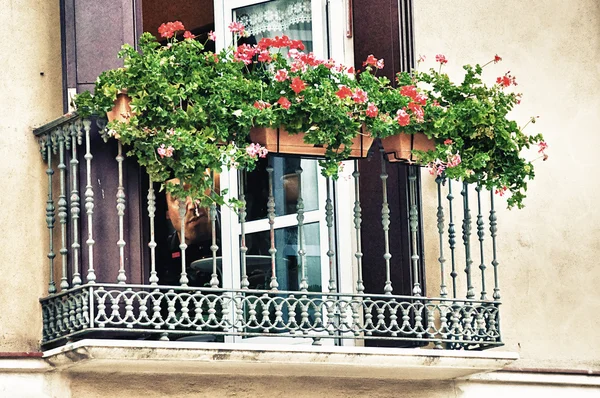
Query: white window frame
[339, 47]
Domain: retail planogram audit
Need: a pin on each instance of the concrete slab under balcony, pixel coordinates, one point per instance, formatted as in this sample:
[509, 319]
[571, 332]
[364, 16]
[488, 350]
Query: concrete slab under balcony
[275, 360]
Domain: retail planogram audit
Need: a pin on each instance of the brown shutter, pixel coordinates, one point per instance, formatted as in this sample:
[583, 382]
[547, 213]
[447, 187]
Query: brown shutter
[384, 28]
[93, 31]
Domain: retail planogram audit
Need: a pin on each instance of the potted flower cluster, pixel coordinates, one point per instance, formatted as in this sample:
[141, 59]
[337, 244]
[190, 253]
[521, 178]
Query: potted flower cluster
[190, 110]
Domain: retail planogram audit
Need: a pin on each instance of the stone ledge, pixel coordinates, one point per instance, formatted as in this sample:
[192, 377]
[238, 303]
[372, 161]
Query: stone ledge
[265, 360]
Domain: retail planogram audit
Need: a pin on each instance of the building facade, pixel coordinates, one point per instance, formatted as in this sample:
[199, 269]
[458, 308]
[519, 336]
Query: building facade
[545, 253]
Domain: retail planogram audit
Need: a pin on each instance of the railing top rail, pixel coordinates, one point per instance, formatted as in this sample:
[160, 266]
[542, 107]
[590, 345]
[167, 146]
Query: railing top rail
[48, 127]
[299, 294]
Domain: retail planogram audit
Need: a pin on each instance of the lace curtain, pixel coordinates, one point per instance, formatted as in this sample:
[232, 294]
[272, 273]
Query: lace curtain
[279, 17]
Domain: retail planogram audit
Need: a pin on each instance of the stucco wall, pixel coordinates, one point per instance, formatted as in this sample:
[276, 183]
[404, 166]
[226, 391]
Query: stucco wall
[30, 84]
[549, 251]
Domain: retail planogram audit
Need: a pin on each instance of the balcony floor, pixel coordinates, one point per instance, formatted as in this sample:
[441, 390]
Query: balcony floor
[276, 360]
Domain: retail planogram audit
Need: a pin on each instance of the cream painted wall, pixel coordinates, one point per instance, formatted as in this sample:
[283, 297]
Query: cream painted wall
[29, 99]
[549, 251]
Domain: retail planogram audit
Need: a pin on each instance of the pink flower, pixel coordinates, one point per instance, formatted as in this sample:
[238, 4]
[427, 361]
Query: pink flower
[437, 167]
[264, 56]
[281, 75]
[379, 64]
[454, 160]
[254, 150]
[542, 146]
[417, 111]
[359, 96]
[260, 105]
[441, 59]
[212, 36]
[372, 61]
[188, 35]
[237, 27]
[372, 110]
[402, 117]
[284, 102]
[421, 58]
[244, 53]
[165, 152]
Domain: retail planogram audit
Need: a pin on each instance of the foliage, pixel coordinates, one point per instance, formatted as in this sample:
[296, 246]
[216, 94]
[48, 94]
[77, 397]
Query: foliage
[476, 141]
[192, 110]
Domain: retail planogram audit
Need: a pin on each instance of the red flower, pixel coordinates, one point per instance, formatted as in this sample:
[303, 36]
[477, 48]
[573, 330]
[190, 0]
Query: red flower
[497, 58]
[501, 191]
[284, 102]
[297, 45]
[417, 111]
[359, 96]
[344, 92]
[351, 70]
[506, 80]
[297, 85]
[188, 35]
[448, 142]
[169, 29]
[409, 91]
[371, 60]
[372, 110]
[265, 43]
[441, 59]
[402, 117]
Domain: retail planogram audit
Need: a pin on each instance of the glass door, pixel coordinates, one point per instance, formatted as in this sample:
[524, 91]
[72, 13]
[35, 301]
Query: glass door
[286, 192]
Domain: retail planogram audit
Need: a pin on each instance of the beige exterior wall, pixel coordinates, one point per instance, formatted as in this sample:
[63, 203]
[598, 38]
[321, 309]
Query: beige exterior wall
[30, 84]
[549, 251]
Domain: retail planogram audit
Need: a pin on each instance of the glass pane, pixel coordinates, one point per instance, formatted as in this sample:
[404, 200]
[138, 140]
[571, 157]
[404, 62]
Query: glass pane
[285, 186]
[277, 18]
[289, 272]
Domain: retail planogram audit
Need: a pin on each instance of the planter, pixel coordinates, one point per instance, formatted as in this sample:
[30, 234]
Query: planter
[121, 111]
[278, 140]
[398, 148]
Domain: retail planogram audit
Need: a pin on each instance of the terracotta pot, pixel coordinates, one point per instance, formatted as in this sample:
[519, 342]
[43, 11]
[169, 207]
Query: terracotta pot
[121, 111]
[398, 147]
[280, 141]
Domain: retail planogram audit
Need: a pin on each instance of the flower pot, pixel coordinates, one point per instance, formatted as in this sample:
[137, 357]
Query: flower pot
[278, 140]
[121, 110]
[398, 148]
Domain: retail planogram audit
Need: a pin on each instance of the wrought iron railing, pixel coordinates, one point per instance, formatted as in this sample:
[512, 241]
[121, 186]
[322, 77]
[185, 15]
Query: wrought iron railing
[80, 304]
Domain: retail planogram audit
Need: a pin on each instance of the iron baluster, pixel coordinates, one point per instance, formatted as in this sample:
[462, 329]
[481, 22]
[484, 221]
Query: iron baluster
[62, 133]
[271, 216]
[493, 231]
[360, 287]
[75, 199]
[121, 277]
[466, 228]
[89, 202]
[480, 235]
[452, 238]
[50, 216]
[385, 222]
[414, 224]
[440, 224]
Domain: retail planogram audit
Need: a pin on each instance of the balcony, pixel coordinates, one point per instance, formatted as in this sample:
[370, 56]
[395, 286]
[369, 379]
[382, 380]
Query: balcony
[364, 283]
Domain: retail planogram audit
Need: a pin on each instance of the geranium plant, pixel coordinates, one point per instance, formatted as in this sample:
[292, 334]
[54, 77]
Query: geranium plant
[191, 110]
[476, 140]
